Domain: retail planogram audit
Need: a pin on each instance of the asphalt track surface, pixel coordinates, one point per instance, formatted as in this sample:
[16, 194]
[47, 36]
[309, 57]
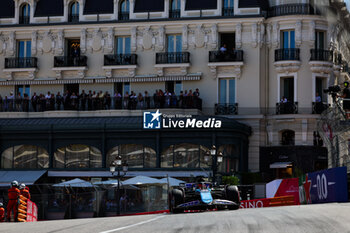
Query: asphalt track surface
[330, 218]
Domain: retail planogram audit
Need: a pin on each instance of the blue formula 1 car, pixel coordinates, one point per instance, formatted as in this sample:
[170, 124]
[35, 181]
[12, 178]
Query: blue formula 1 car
[203, 196]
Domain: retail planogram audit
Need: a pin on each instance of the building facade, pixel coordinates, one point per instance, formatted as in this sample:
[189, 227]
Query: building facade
[261, 65]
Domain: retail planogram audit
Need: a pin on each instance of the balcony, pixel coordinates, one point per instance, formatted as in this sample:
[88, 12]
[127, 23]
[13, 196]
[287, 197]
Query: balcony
[218, 56]
[21, 62]
[318, 107]
[287, 108]
[287, 55]
[119, 62]
[226, 109]
[174, 14]
[26, 65]
[74, 18]
[63, 63]
[321, 61]
[124, 15]
[179, 60]
[228, 11]
[292, 9]
[24, 20]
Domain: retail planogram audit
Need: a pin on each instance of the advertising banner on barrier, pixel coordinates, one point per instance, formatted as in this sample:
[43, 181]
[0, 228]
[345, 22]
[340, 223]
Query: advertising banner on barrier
[256, 203]
[285, 187]
[324, 186]
[32, 212]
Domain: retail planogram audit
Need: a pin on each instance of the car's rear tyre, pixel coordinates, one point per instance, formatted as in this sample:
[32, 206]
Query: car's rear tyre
[176, 197]
[232, 194]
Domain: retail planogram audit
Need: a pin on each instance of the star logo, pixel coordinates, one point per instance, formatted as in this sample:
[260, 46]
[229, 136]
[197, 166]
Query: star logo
[151, 120]
[156, 115]
[307, 188]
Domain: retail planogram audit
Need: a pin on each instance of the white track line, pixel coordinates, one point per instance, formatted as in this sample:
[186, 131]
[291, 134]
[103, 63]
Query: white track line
[133, 225]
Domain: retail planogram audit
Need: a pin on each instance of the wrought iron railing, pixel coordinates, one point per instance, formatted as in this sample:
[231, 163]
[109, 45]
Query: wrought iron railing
[321, 55]
[287, 54]
[70, 61]
[287, 108]
[174, 14]
[227, 11]
[175, 57]
[291, 9]
[232, 56]
[123, 15]
[319, 107]
[73, 18]
[120, 59]
[21, 62]
[24, 19]
[226, 109]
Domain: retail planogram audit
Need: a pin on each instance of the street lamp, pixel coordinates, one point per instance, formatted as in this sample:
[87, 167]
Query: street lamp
[118, 163]
[217, 158]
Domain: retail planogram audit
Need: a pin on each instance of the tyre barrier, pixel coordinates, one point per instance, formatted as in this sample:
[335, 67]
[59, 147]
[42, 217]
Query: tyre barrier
[22, 209]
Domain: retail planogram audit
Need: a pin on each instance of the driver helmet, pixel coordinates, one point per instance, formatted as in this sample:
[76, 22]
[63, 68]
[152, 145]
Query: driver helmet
[22, 186]
[1, 205]
[346, 84]
[14, 183]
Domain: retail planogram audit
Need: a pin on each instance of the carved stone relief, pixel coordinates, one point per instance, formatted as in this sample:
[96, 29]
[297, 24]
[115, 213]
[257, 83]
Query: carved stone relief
[2, 43]
[276, 35]
[254, 35]
[83, 40]
[133, 39]
[96, 40]
[47, 42]
[261, 38]
[184, 37]
[161, 41]
[268, 32]
[11, 44]
[239, 36]
[147, 38]
[214, 37]
[109, 40]
[199, 36]
[60, 38]
[312, 33]
[298, 33]
[34, 41]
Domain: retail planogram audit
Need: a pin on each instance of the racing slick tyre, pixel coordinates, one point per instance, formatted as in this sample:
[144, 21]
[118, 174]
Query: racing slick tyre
[176, 197]
[232, 194]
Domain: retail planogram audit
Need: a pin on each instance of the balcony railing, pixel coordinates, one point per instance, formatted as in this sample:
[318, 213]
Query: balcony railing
[174, 14]
[287, 54]
[318, 107]
[175, 57]
[227, 11]
[218, 56]
[70, 61]
[287, 108]
[291, 9]
[24, 19]
[74, 18]
[226, 109]
[124, 15]
[21, 62]
[120, 59]
[321, 55]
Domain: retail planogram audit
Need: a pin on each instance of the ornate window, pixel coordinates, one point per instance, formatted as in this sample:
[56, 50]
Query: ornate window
[175, 9]
[230, 162]
[25, 157]
[136, 155]
[73, 12]
[24, 17]
[77, 156]
[124, 10]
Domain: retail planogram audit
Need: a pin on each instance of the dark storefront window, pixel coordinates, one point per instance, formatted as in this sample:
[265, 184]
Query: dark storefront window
[184, 156]
[230, 161]
[25, 157]
[78, 156]
[136, 155]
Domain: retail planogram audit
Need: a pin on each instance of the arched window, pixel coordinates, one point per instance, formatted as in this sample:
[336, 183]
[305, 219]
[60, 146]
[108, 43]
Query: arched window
[25, 157]
[227, 7]
[24, 17]
[136, 155]
[124, 10]
[230, 162]
[77, 156]
[287, 137]
[183, 156]
[175, 9]
[74, 12]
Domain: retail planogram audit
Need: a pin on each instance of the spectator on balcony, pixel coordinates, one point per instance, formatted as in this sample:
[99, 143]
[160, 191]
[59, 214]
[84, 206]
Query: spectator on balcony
[147, 100]
[156, 99]
[18, 102]
[74, 101]
[126, 100]
[223, 48]
[34, 101]
[42, 102]
[89, 100]
[66, 100]
[167, 96]
[283, 105]
[108, 100]
[10, 100]
[319, 104]
[181, 99]
[173, 100]
[59, 101]
[6, 104]
[118, 100]
[83, 98]
[52, 102]
[140, 100]
[48, 97]
[76, 55]
[26, 102]
[1, 104]
[101, 97]
[161, 98]
[346, 101]
[133, 100]
[94, 100]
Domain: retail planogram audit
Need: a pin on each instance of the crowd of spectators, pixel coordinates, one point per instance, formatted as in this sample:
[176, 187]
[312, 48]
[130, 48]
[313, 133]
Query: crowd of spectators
[93, 100]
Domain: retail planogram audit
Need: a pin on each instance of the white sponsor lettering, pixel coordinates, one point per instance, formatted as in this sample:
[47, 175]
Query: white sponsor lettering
[191, 123]
[322, 187]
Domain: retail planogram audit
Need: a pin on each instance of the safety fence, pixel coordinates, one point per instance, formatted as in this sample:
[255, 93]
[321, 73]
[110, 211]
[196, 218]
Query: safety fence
[27, 210]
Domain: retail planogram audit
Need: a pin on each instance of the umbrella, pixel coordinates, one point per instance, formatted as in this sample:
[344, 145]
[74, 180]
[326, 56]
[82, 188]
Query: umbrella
[108, 182]
[76, 183]
[173, 181]
[140, 180]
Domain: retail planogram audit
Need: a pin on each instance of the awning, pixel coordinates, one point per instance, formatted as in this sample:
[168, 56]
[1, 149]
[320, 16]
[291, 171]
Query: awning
[160, 174]
[45, 82]
[26, 177]
[150, 79]
[280, 164]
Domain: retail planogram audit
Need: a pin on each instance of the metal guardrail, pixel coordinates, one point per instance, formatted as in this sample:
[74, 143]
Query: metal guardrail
[287, 108]
[232, 56]
[287, 54]
[63, 61]
[120, 59]
[226, 109]
[21, 62]
[173, 57]
[321, 55]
